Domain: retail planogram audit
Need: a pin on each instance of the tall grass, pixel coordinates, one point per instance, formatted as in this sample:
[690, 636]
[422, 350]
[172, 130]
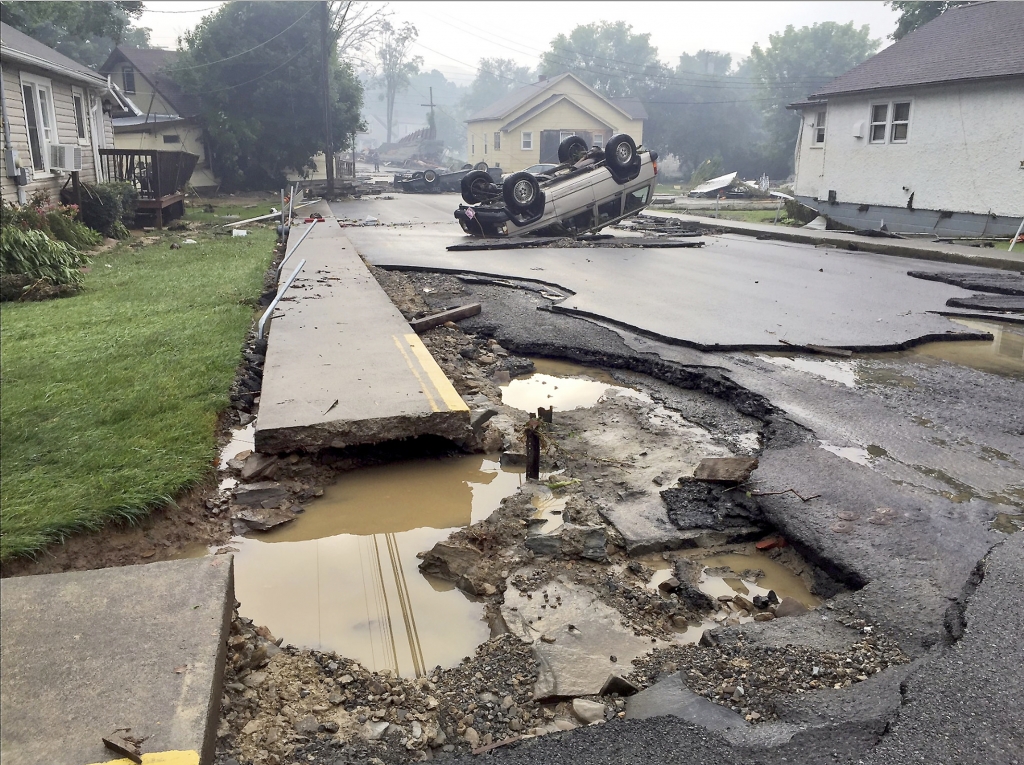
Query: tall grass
[109, 400]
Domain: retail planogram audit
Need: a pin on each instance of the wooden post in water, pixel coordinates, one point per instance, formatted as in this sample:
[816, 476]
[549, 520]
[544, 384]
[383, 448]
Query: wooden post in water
[532, 450]
[545, 415]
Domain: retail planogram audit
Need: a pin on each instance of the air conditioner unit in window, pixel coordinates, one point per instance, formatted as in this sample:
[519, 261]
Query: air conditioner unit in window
[65, 156]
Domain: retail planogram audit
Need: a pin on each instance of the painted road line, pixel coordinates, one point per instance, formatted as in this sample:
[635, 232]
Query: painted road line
[424, 388]
[159, 758]
[441, 382]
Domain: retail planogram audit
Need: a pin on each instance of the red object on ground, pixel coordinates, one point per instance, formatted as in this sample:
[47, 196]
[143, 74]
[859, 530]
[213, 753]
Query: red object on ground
[771, 542]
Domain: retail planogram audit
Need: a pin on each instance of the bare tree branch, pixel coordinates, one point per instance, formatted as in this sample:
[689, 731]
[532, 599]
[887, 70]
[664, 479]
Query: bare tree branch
[356, 25]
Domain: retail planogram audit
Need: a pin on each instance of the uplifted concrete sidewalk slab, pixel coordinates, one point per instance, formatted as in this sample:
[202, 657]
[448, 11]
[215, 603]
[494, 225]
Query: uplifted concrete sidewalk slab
[343, 366]
[86, 653]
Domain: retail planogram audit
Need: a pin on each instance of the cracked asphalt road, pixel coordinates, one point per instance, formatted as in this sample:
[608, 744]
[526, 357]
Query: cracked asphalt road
[941, 444]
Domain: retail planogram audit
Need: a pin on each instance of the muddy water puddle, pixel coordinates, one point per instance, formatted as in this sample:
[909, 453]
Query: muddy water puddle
[563, 385]
[747, 573]
[343, 576]
[1002, 355]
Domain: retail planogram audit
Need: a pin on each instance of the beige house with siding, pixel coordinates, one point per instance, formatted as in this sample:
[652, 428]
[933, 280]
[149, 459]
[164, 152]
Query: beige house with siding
[160, 115]
[54, 119]
[525, 127]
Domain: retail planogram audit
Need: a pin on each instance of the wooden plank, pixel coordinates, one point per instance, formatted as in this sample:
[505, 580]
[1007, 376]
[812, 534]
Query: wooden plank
[453, 314]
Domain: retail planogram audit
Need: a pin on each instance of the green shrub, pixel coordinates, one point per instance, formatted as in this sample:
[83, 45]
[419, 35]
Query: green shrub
[798, 212]
[34, 254]
[109, 207]
[57, 220]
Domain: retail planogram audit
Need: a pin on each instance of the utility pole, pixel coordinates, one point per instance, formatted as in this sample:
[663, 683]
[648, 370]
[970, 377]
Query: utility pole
[433, 124]
[325, 24]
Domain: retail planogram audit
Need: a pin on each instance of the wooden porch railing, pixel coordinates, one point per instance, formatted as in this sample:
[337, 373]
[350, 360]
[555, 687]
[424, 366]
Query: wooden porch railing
[154, 174]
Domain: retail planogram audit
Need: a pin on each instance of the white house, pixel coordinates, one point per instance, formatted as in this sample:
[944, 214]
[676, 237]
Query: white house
[928, 135]
[54, 120]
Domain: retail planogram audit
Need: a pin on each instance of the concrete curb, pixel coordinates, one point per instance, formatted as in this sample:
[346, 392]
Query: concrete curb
[903, 248]
[86, 653]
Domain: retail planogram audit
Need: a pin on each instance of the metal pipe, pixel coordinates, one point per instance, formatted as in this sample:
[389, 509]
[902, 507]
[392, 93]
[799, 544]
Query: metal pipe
[291, 201]
[285, 259]
[1017, 235]
[280, 294]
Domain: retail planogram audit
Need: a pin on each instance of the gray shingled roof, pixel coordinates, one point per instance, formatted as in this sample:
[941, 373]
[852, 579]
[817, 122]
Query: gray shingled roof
[19, 42]
[151, 63]
[972, 42]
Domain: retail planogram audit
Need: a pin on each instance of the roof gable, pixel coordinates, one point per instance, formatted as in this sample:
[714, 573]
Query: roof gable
[546, 104]
[972, 42]
[154, 64]
[504, 107]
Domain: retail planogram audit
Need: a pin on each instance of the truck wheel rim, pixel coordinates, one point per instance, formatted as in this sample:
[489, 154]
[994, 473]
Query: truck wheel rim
[623, 153]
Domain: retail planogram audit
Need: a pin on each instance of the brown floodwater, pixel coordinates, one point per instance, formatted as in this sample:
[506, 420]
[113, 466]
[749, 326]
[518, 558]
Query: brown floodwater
[343, 576]
[1002, 355]
[715, 582]
[561, 384]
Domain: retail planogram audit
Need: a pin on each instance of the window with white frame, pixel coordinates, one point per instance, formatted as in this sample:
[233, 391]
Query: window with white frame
[563, 134]
[472, 145]
[81, 118]
[879, 122]
[37, 94]
[599, 140]
[900, 122]
[890, 122]
[526, 140]
[819, 128]
[485, 143]
[497, 140]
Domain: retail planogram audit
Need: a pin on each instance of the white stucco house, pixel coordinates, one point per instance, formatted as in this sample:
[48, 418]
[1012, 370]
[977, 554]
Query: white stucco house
[928, 135]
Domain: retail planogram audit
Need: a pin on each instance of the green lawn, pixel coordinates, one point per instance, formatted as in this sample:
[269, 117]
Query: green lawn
[109, 400]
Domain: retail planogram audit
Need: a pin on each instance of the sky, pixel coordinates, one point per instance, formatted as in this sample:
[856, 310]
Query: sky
[455, 35]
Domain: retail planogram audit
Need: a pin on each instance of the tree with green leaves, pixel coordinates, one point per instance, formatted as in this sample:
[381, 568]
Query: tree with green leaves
[396, 65]
[795, 63]
[915, 14]
[85, 32]
[255, 67]
[495, 78]
[608, 56]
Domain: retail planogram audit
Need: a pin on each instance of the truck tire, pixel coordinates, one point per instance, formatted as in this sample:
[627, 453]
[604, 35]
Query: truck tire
[572, 150]
[478, 186]
[480, 166]
[521, 192]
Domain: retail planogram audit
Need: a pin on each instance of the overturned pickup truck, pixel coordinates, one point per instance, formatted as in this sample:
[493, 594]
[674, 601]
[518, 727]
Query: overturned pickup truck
[590, 189]
[440, 179]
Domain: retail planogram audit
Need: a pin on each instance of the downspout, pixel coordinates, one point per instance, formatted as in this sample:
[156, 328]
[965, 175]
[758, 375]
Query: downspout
[8, 144]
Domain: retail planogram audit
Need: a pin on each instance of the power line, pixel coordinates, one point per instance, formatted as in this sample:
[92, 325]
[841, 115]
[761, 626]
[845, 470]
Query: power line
[197, 10]
[237, 55]
[265, 74]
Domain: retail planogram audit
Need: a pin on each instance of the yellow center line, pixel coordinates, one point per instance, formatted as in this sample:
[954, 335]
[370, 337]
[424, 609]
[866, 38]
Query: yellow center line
[160, 758]
[412, 368]
[441, 383]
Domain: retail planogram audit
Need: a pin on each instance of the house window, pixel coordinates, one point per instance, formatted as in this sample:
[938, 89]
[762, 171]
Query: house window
[172, 138]
[485, 143]
[472, 146]
[563, 134]
[128, 77]
[78, 97]
[38, 98]
[819, 128]
[900, 122]
[497, 140]
[879, 118]
[526, 142]
[599, 140]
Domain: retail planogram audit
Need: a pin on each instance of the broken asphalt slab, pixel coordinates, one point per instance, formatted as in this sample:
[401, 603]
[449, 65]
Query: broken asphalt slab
[343, 366]
[769, 291]
[87, 653]
[671, 697]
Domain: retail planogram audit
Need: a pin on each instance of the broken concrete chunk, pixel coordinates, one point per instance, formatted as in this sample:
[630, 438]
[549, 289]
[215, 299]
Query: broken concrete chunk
[672, 697]
[479, 417]
[619, 685]
[587, 712]
[372, 731]
[263, 519]
[579, 661]
[255, 494]
[259, 466]
[459, 563]
[725, 469]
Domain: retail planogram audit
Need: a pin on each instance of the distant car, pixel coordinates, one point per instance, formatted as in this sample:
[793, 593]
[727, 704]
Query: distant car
[440, 179]
[590, 189]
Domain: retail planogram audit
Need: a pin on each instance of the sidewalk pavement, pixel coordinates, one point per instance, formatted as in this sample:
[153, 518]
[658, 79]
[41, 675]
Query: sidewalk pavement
[983, 257]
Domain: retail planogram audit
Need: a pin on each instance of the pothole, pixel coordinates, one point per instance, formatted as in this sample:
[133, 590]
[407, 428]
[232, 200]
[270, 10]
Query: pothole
[343, 575]
[563, 385]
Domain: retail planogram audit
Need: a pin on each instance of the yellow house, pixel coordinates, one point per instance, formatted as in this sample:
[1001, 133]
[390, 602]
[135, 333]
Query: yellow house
[165, 115]
[525, 127]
